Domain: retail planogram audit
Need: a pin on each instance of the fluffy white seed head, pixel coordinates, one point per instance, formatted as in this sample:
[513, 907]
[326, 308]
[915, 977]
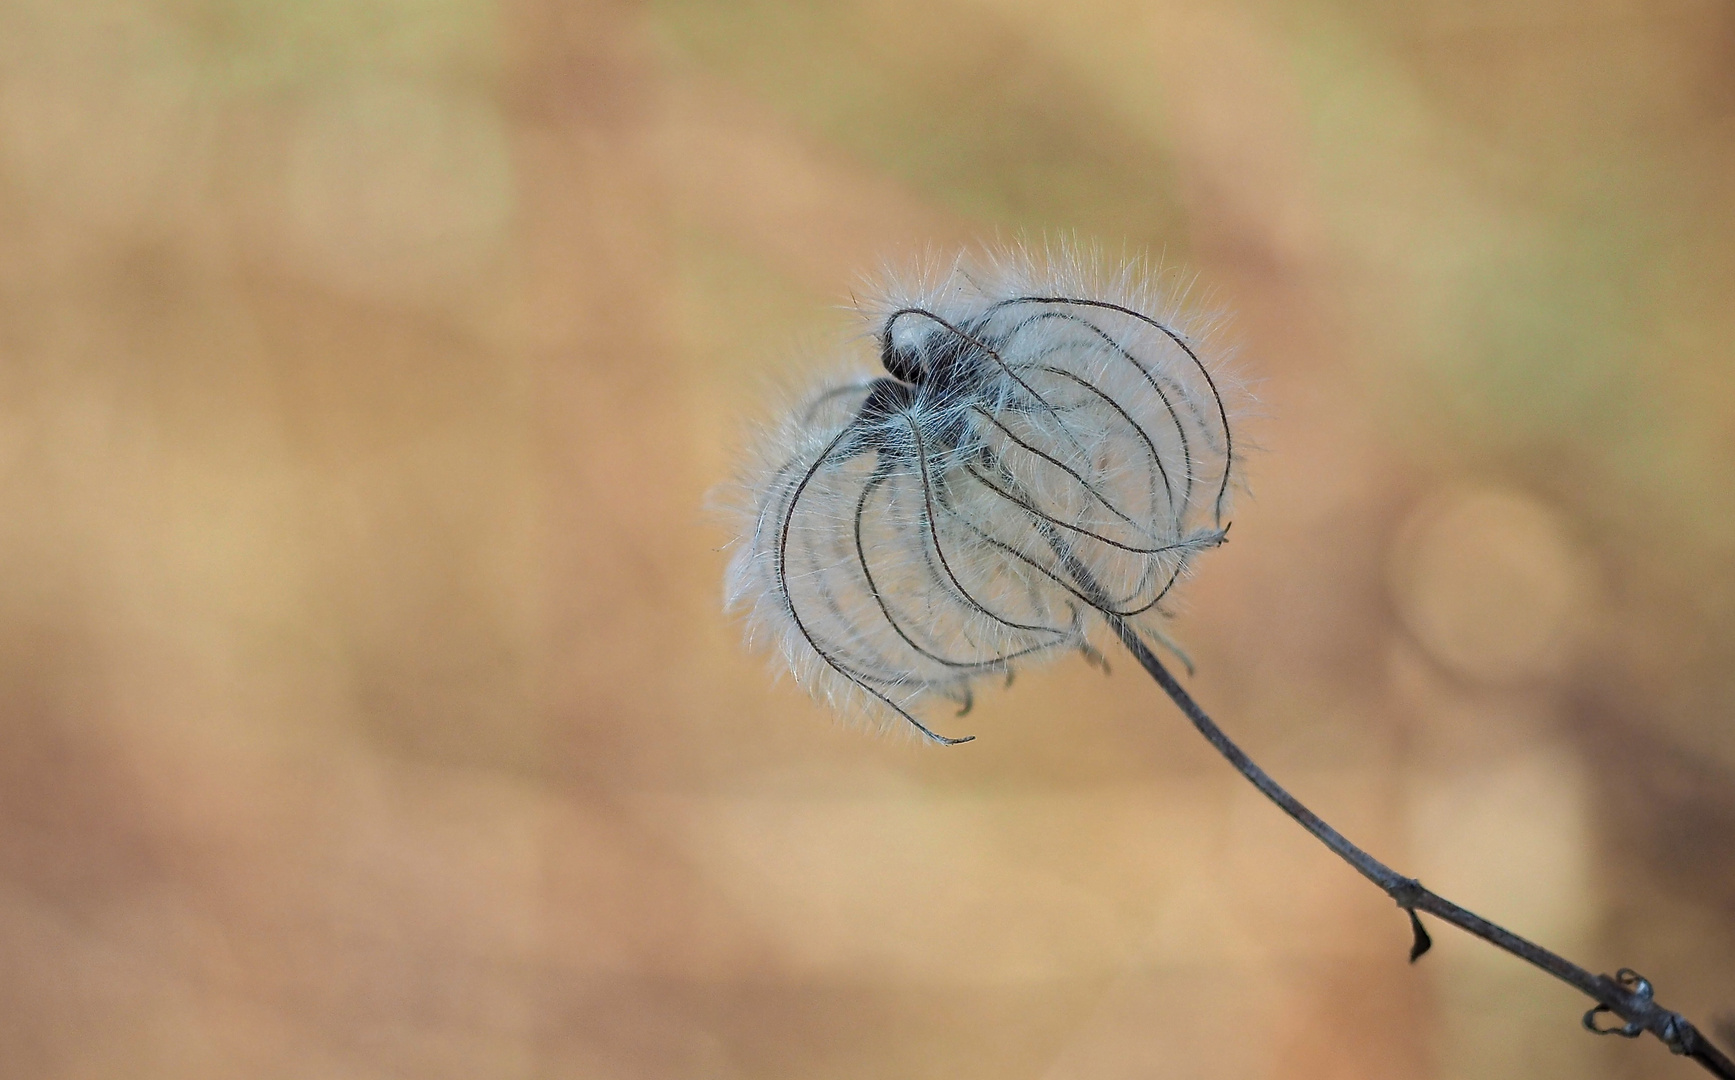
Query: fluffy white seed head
[1044, 445]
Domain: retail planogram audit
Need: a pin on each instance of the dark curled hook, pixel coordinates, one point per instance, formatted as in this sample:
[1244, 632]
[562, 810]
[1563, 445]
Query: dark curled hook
[1642, 995]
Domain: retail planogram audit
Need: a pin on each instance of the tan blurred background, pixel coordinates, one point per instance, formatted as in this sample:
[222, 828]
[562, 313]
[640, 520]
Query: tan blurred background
[365, 706]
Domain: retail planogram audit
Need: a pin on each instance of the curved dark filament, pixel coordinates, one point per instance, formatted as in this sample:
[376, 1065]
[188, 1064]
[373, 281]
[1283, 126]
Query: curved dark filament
[865, 656]
[1032, 592]
[885, 609]
[1057, 463]
[1045, 571]
[1156, 381]
[1150, 377]
[780, 566]
[943, 499]
[1074, 632]
[888, 673]
[874, 667]
[782, 477]
[1204, 372]
[934, 533]
[1144, 436]
[1066, 583]
[966, 336]
[1178, 339]
[847, 627]
[1030, 504]
[1179, 545]
[813, 407]
[877, 669]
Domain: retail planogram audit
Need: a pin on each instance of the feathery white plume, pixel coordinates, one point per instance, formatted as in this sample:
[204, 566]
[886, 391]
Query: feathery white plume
[1047, 445]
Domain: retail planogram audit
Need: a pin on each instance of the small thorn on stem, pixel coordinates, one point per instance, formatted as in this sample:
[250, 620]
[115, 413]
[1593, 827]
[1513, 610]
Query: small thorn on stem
[1422, 942]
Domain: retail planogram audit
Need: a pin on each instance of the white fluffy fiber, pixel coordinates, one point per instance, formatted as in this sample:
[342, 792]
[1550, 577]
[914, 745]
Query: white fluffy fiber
[1045, 458]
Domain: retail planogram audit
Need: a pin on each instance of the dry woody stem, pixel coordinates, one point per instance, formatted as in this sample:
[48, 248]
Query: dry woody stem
[1625, 995]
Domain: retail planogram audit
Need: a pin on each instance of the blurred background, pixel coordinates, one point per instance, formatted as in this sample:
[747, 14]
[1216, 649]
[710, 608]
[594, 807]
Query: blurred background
[365, 705]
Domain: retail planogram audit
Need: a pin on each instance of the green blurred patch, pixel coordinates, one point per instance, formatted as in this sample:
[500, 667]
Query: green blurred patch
[1538, 239]
[953, 101]
[1504, 282]
[272, 42]
[1540, 340]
